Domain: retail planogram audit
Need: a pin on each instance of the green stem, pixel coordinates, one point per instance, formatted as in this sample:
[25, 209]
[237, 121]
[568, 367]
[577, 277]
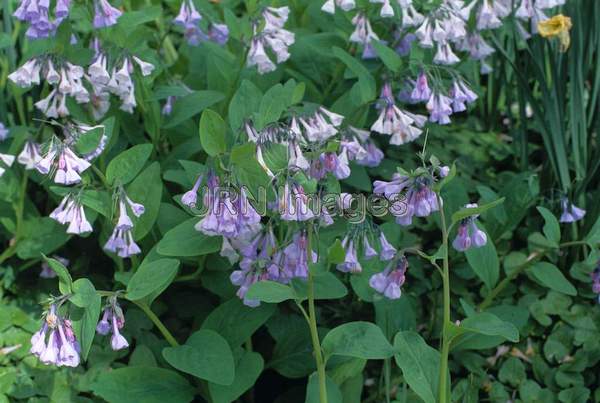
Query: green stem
[386, 376]
[535, 256]
[312, 324]
[152, 316]
[444, 381]
[19, 209]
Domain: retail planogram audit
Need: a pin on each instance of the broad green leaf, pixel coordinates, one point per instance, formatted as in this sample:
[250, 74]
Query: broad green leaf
[5, 40]
[150, 277]
[125, 166]
[336, 253]
[593, 237]
[484, 262]
[85, 319]
[551, 225]
[212, 133]
[191, 105]
[357, 339]
[236, 322]
[389, 57]
[271, 107]
[65, 282]
[327, 286]
[270, 291]
[550, 276]
[244, 103]
[142, 384]
[366, 84]
[83, 292]
[205, 355]
[419, 363]
[146, 189]
[40, 235]
[487, 324]
[468, 212]
[247, 370]
[312, 390]
[184, 240]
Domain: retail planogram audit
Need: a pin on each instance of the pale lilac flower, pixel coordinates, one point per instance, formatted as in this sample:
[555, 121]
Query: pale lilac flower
[294, 261]
[387, 250]
[218, 33]
[121, 242]
[405, 44]
[27, 74]
[410, 16]
[244, 278]
[345, 5]
[351, 263]
[570, 212]
[61, 347]
[63, 164]
[229, 214]
[7, 160]
[296, 159]
[70, 210]
[402, 126]
[274, 36]
[363, 34]
[468, 233]
[440, 108]
[111, 322]
[258, 57]
[191, 196]
[145, 67]
[369, 251]
[461, 95]
[294, 203]
[410, 196]
[421, 92]
[390, 281]
[445, 55]
[168, 106]
[105, 14]
[4, 132]
[373, 157]
[320, 126]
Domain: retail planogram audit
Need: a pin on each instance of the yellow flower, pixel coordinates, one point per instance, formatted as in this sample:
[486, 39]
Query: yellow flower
[559, 26]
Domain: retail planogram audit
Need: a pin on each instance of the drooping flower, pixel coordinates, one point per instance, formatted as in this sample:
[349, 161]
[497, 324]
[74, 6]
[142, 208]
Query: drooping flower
[121, 240]
[55, 342]
[403, 126]
[4, 132]
[30, 155]
[468, 234]
[294, 204]
[37, 14]
[440, 108]
[389, 282]
[363, 34]
[61, 163]
[191, 196]
[272, 36]
[345, 5]
[351, 263]
[570, 212]
[7, 160]
[229, 213]
[113, 321]
[70, 210]
[105, 14]
[387, 250]
[461, 95]
[410, 196]
[319, 126]
[421, 92]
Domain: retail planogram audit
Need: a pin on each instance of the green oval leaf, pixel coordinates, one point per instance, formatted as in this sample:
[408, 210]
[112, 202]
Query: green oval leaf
[212, 133]
[357, 339]
[151, 277]
[125, 166]
[205, 355]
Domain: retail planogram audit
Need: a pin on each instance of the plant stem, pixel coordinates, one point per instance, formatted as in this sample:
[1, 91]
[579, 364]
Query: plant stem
[532, 258]
[152, 316]
[443, 381]
[312, 323]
